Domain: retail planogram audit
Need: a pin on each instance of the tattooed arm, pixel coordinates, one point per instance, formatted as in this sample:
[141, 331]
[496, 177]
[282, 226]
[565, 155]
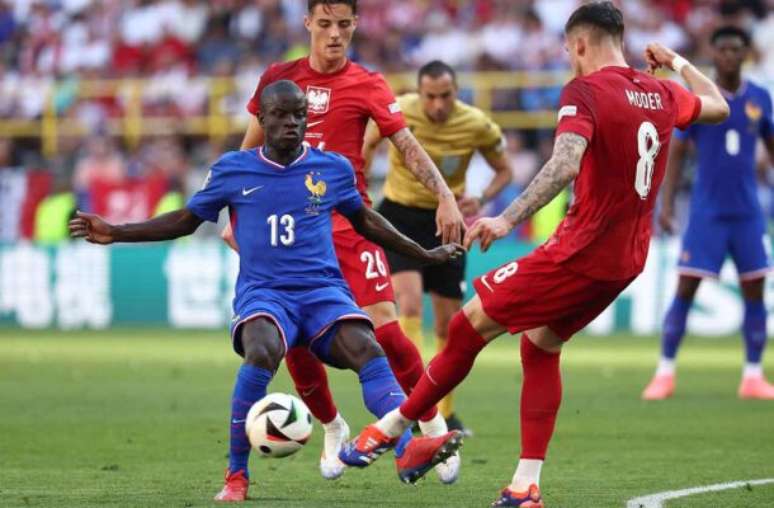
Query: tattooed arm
[556, 174]
[448, 218]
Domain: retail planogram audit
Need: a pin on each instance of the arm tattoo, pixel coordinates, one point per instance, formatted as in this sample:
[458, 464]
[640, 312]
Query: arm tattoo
[556, 174]
[419, 163]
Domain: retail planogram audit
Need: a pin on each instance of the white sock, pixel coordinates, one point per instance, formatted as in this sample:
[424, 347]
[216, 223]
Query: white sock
[435, 427]
[334, 424]
[527, 473]
[752, 370]
[666, 367]
[393, 424]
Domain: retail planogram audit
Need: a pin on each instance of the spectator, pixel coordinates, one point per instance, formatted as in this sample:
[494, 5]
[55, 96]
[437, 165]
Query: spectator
[216, 46]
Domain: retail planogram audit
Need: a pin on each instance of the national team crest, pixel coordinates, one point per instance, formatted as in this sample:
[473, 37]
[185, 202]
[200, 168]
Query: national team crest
[316, 190]
[319, 99]
[753, 111]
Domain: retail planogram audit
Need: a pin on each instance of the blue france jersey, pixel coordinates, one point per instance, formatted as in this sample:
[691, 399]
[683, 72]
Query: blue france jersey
[725, 184]
[281, 216]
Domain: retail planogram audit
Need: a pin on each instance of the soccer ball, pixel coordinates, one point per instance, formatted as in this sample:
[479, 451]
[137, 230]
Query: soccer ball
[278, 425]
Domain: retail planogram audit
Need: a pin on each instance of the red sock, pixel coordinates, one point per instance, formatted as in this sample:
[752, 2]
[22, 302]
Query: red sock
[447, 369]
[541, 394]
[404, 358]
[311, 382]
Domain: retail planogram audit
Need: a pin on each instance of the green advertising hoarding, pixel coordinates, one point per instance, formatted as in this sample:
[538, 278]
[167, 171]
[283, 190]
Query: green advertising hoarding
[189, 284]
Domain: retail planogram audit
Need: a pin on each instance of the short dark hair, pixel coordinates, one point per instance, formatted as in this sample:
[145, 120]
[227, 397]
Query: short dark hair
[602, 16]
[730, 31]
[436, 69]
[314, 3]
[281, 87]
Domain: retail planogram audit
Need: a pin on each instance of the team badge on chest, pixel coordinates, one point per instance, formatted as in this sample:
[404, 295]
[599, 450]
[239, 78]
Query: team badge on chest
[316, 190]
[319, 99]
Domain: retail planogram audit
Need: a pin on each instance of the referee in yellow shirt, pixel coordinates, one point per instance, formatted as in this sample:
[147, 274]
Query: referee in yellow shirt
[451, 132]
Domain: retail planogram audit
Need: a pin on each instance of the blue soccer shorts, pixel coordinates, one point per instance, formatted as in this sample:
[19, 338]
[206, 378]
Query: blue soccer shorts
[708, 240]
[304, 317]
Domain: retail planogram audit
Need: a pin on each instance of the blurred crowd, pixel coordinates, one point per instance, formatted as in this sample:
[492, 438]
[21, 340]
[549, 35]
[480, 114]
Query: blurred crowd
[179, 46]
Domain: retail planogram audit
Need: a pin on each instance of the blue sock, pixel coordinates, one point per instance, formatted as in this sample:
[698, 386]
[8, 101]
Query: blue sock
[251, 383]
[754, 328]
[382, 393]
[674, 327]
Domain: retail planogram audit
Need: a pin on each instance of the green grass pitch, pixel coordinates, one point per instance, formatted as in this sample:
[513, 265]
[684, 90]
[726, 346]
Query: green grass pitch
[140, 418]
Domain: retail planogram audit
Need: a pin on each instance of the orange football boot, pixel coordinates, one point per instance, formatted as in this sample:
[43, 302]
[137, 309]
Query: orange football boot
[235, 489]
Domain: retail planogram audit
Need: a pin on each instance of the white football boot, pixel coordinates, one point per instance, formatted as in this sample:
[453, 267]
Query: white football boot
[449, 470]
[336, 435]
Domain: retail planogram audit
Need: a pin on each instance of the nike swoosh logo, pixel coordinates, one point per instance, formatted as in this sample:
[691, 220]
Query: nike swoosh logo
[235, 422]
[247, 192]
[312, 124]
[486, 283]
[382, 287]
[396, 394]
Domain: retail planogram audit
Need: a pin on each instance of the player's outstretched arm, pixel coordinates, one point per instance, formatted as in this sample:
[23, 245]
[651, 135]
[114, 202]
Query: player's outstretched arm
[448, 217]
[677, 151]
[714, 108]
[555, 175]
[377, 229]
[164, 227]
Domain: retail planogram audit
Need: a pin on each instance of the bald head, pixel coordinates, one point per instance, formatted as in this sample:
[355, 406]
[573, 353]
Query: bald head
[283, 115]
[283, 90]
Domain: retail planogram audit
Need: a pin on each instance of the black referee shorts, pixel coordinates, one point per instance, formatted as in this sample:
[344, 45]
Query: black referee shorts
[419, 224]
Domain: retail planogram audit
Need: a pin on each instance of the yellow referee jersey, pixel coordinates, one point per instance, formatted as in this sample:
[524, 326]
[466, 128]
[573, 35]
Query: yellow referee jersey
[451, 145]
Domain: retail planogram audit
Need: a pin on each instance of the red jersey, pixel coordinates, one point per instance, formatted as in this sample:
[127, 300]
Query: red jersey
[340, 105]
[627, 117]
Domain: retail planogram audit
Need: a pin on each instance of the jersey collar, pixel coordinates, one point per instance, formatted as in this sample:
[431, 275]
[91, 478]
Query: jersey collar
[310, 70]
[280, 166]
[734, 95]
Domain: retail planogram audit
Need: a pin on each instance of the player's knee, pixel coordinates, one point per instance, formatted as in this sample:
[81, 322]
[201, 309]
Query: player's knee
[752, 290]
[381, 313]
[355, 346]
[366, 349]
[686, 287]
[262, 345]
[410, 304]
[442, 327]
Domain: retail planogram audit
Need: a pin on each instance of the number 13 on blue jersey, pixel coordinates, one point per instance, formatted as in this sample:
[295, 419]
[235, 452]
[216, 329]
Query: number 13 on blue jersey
[288, 236]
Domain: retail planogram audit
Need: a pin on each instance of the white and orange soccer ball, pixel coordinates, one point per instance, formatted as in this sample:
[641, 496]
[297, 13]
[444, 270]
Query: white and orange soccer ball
[278, 425]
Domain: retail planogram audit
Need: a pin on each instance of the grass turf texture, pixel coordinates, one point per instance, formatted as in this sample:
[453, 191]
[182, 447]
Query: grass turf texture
[140, 418]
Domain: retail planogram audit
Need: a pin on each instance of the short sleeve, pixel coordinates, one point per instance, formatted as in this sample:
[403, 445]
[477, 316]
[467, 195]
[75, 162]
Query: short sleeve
[688, 104]
[212, 197]
[490, 137]
[384, 108]
[576, 113]
[767, 122]
[267, 78]
[348, 200]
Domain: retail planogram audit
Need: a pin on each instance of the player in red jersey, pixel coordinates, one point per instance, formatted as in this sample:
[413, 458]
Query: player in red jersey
[614, 129]
[342, 97]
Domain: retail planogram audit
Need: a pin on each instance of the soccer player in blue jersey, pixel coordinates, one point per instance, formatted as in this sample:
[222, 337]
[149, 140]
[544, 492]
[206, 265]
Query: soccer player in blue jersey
[725, 217]
[290, 290]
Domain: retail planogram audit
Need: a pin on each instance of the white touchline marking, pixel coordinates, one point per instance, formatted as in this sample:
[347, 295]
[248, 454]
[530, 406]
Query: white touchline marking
[657, 500]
